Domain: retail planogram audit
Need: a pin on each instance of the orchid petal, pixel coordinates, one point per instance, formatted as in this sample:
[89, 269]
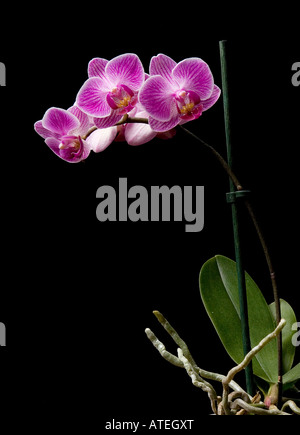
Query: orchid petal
[157, 97]
[164, 126]
[59, 121]
[91, 98]
[96, 67]
[194, 74]
[212, 99]
[85, 148]
[53, 144]
[162, 65]
[83, 118]
[101, 139]
[44, 132]
[138, 134]
[126, 69]
[138, 111]
[108, 121]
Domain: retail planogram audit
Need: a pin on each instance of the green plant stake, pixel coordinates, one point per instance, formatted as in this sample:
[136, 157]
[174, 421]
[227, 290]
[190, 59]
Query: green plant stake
[232, 198]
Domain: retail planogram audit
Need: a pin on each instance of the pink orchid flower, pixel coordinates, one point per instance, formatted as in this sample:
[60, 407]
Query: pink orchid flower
[63, 131]
[112, 88]
[177, 93]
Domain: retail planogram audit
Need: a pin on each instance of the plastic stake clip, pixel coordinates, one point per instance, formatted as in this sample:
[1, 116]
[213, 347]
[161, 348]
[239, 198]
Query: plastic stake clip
[232, 197]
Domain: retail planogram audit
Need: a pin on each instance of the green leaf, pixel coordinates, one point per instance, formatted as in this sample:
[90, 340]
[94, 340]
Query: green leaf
[288, 349]
[219, 293]
[292, 376]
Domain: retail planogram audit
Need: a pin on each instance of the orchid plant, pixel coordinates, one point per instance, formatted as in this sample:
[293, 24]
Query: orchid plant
[121, 102]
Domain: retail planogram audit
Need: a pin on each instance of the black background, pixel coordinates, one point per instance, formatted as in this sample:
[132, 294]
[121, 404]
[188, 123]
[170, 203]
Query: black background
[78, 294]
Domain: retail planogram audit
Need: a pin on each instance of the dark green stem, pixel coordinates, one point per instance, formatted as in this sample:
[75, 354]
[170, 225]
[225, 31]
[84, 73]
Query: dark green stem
[236, 224]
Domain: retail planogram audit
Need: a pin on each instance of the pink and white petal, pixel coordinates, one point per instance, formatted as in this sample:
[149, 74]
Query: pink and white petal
[83, 118]
[164, 126]
[157, 98]
[162, 65]
[91, 98]
[84, 151]
[212, 99]
[101, 139]
[96, 67]
[59, 121]
[53, 144]
[138, 111]
[44, 132]
[108, 121]
[126, 69]
[138, 134]
[194, 74]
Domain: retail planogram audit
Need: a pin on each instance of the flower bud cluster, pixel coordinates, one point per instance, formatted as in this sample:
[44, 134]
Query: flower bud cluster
[119, 90]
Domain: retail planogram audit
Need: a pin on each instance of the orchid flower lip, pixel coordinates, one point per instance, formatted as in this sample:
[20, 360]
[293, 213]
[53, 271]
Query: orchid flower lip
[71, 147]
[70, 142]
[187, 103]
[120, 97]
